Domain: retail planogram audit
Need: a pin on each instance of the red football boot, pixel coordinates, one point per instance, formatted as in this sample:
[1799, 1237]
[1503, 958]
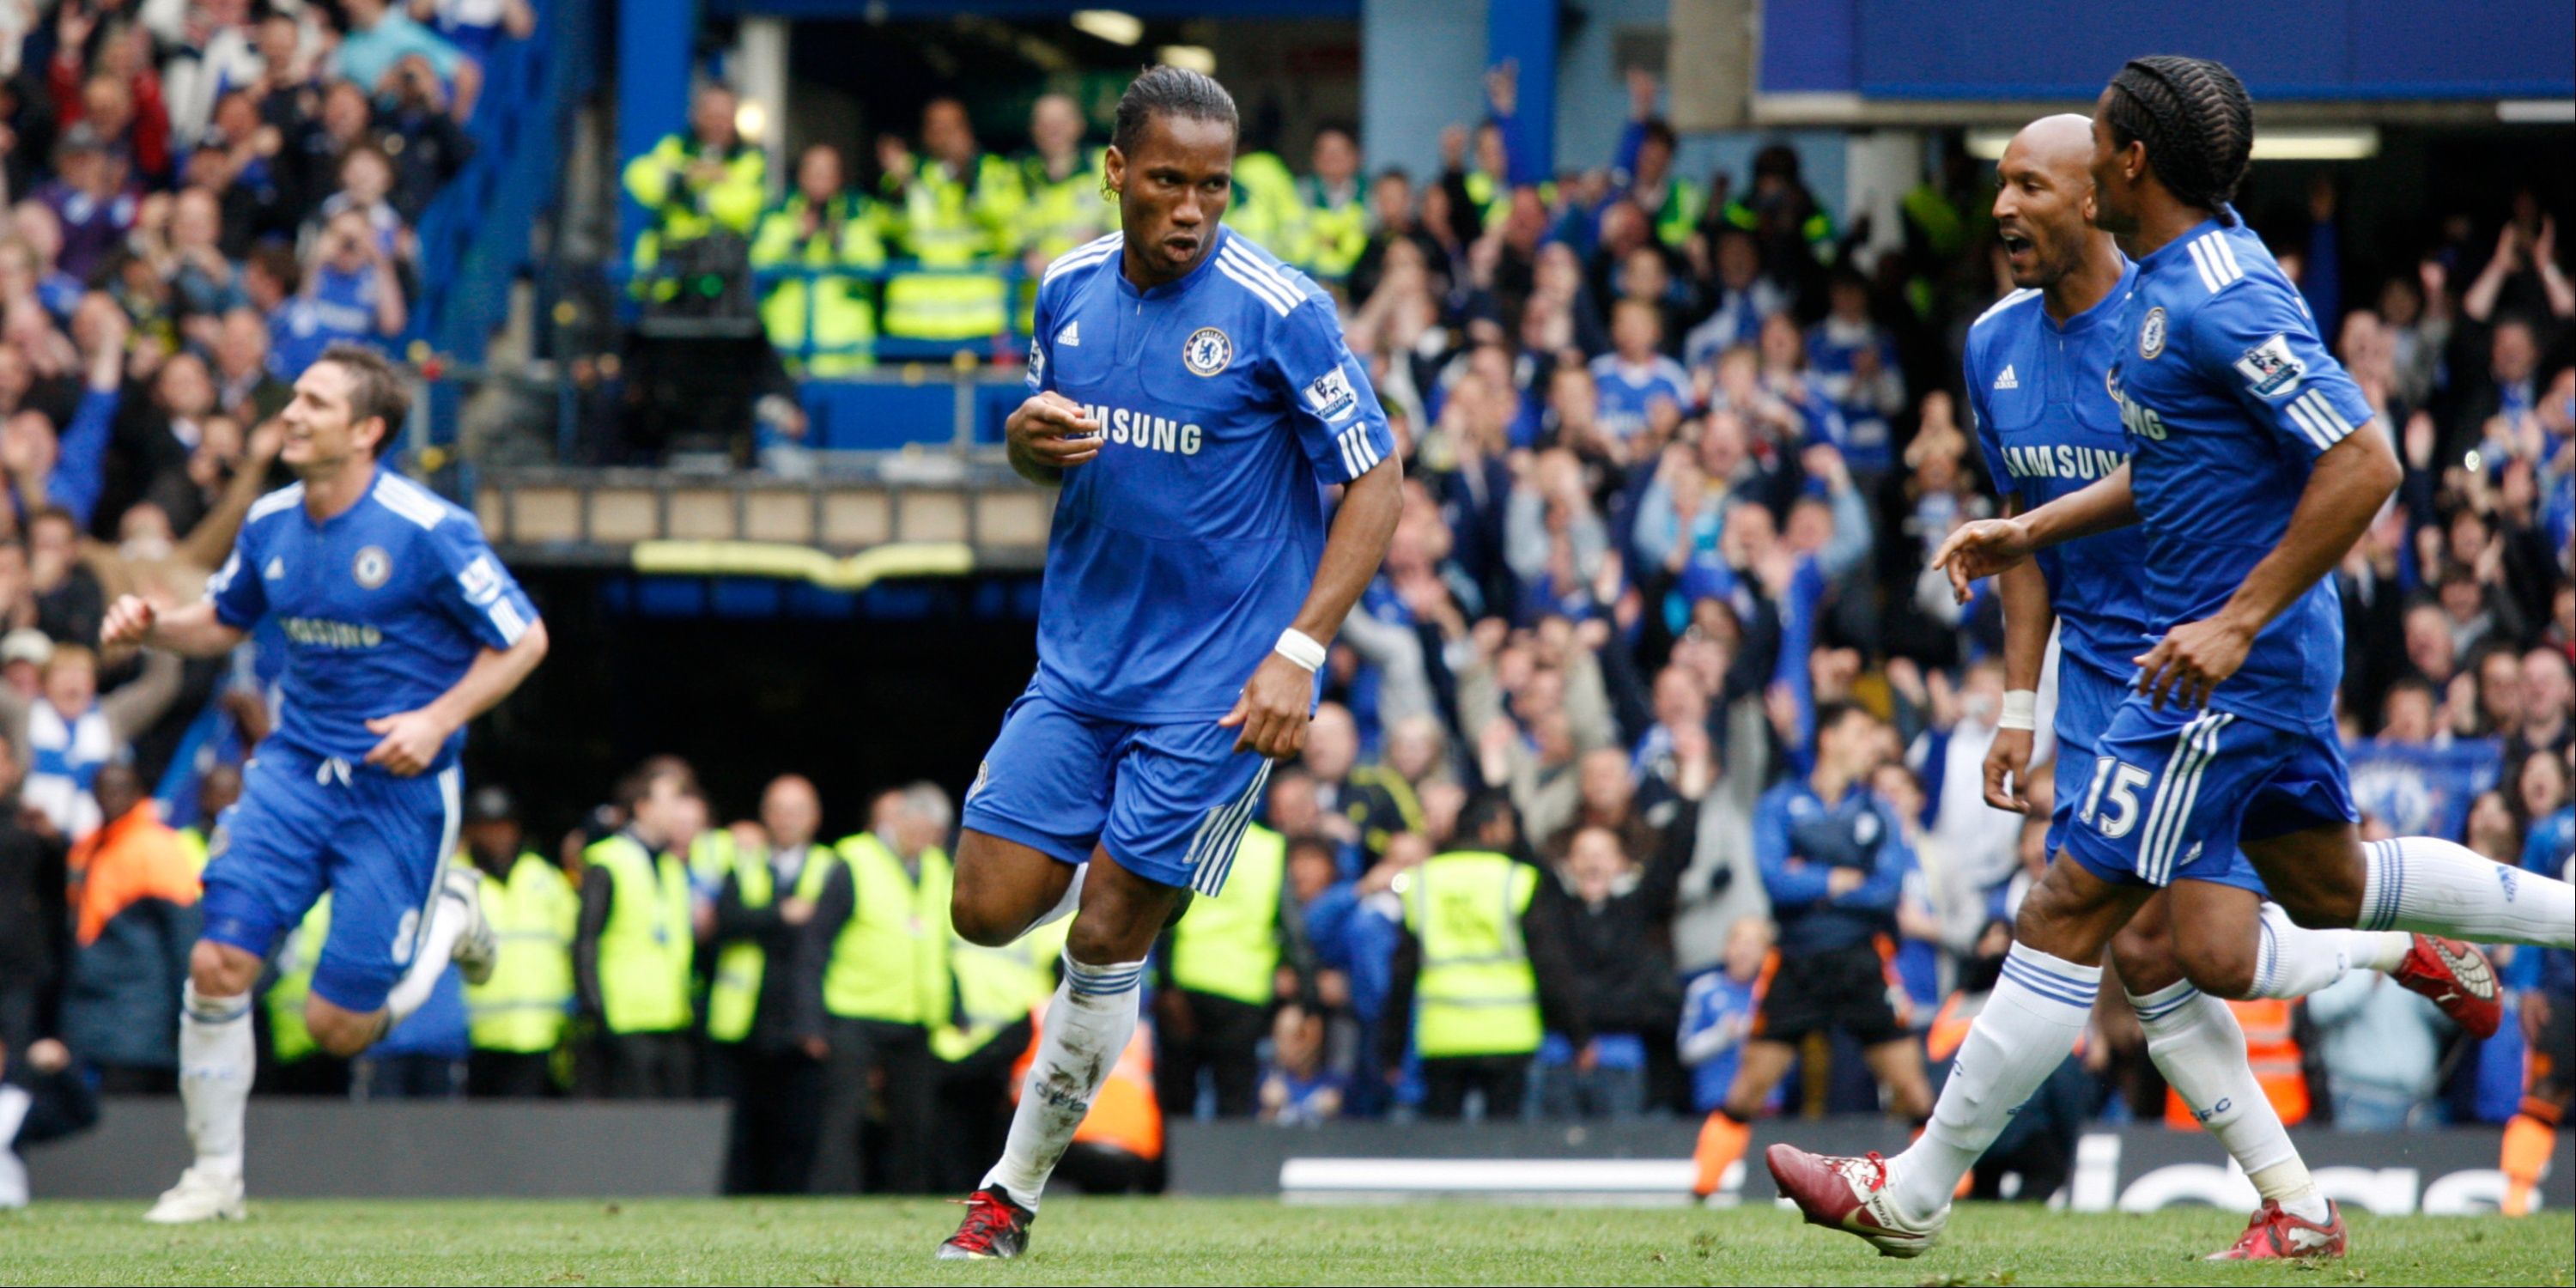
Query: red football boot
[1850, 1195]
[995, 1229]
[2277, 1235]
[2458, 979]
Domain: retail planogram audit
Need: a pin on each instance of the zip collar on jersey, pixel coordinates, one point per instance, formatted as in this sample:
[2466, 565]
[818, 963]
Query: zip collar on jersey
[2179, 247]
[1177, 286]
[2105, 311]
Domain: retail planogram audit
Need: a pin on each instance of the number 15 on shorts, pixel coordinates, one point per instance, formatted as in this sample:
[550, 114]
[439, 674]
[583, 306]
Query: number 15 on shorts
[2120, 783]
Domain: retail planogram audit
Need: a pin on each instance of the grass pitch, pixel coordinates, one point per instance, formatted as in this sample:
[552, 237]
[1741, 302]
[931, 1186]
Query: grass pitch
[1176, 1241]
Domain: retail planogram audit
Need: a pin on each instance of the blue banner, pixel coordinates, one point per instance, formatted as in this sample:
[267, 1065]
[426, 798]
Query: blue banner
[2423, 791]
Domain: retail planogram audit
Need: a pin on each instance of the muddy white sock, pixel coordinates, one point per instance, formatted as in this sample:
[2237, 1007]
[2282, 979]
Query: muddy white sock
[217, 1057]
[2426, 884]
[2200, 1049]
[2294, 961]
[2030, 1024]
[1087, 1026]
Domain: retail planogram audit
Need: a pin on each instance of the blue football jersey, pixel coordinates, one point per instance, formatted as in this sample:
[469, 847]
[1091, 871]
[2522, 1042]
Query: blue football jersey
[2048, 426]
[383, 606]
[1226, 401]
[2229, 399]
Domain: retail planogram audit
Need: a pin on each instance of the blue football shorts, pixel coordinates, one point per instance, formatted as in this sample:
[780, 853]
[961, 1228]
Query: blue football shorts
[1168, 801]
[306, 823]
[2168, 796]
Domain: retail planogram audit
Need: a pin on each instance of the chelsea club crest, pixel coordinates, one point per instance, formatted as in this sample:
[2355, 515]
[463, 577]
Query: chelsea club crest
[1207, 351]
[372, 567]
[2151, 334]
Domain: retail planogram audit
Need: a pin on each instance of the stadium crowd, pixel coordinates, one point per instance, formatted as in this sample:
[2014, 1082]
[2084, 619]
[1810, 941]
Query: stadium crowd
[1654, 629]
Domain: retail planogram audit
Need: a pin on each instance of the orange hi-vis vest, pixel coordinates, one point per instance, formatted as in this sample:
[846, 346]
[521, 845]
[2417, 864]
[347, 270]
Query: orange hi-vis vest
[1124, 1114]
[1950, 1029]
[2274, 1055]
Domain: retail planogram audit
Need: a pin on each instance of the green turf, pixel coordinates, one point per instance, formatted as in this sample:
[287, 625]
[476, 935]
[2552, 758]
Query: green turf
[1168, 1241]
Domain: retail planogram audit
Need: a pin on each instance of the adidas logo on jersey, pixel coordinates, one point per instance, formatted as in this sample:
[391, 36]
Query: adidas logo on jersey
[2006, 380]
[276, 569]
[1071, 335]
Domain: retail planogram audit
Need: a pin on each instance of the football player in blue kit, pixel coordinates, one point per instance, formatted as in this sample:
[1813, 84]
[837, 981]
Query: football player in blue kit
[2253, 469]
[1192, 397]
[2038, 366]
[400, 627]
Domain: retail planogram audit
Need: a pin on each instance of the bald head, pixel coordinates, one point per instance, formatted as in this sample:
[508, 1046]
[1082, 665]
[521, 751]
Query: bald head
[2043, 204]
[2061, 144]
[791, 810]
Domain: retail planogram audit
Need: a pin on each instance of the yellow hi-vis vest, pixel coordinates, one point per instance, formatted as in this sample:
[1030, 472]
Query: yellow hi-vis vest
[1264, 206]
[952, 225]
[890, 961]
[683, 207]
[1679, 216]
[288, 1037]
[1228, 943]
[1057, 215]
[837, 311]
[1476, 994]
[734, 996]
[1333, 233]
[997, 987]
[647, 948]
[533, 915]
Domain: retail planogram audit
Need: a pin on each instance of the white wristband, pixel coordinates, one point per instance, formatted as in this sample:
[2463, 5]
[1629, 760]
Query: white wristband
[1299, 647]
[2021, 710]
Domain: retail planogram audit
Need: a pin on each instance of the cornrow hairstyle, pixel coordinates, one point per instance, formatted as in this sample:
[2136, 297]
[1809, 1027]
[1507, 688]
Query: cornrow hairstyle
[1170, 91]
[2196, 120]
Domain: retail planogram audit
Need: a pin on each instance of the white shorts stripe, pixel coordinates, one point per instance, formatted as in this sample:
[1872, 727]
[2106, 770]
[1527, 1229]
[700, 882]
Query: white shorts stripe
[2191, 797]
[2174, 763]
[1213, 857]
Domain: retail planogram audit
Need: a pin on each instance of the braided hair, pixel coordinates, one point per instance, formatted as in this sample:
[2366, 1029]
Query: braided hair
[2196, 120]
[1169, 91]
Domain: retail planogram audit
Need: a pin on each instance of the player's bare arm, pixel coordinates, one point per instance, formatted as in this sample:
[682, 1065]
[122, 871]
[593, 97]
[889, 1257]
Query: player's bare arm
[1989, 546]
[1272, 710]
[412, 739]
[193, 629]
[1048, 435]
[2028, 618]
[2351, 481]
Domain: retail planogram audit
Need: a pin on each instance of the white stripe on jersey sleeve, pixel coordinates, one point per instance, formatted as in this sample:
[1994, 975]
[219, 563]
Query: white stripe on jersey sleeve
[1279, 282]
[2226, 256]
[506, 620]
[1350, 463]
[2329, 420]
[1090, 252]
[1259, 292]
[2305, 418]
[2200, 261]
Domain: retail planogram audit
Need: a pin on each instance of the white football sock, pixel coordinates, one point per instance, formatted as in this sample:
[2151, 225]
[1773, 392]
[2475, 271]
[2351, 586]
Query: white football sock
[448, 919]
[2200, 1049]
[217, 1056]
[14, 1104]
[2425, 884]
[1087, 1027]
[2295, 961]
[2030, 1025]
[1065, 906]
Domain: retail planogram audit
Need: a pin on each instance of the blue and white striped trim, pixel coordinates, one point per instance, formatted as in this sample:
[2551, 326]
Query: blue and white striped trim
[2384, 881]
[410, 500]
[1090, 252]
[285, 498]
[2022, 296]
[2216, 261]
[2316, 417]
[2194, 748]
[1261, 279]
[2047, 984]
[1220, 832]
[2155, 1006]
[1359, 455]
[1101, 981]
